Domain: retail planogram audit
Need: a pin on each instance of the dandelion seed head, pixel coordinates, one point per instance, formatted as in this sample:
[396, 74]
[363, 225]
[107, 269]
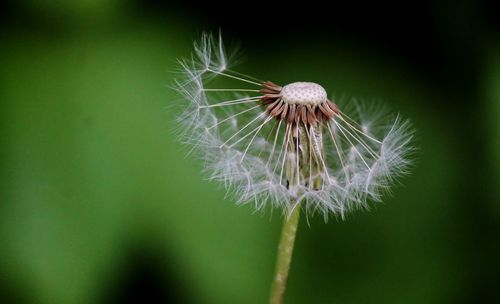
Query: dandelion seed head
[303, 93]
[287, 146]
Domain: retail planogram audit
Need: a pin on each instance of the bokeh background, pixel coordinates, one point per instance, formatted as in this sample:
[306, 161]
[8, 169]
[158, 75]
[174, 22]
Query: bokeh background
[98, 203]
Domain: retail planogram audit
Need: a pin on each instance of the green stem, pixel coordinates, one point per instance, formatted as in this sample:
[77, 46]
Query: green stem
[285, 250]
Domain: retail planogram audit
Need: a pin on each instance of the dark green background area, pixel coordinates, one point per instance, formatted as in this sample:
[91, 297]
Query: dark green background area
[99, 204]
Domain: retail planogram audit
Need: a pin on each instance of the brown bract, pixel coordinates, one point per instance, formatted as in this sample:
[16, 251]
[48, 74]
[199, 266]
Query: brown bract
[308, 114]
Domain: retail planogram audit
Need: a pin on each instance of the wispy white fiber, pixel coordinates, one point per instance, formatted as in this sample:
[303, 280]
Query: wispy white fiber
[365, 149]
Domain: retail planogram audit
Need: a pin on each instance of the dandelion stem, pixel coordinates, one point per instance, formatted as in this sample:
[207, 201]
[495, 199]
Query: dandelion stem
[285, 250]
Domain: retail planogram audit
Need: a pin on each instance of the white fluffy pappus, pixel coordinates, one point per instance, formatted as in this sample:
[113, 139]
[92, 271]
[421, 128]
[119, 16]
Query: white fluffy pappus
[287, 146]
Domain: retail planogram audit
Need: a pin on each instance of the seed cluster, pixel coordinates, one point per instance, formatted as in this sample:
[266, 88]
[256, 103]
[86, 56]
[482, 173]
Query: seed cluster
[287, 146]
[297, 102]
[303, 93]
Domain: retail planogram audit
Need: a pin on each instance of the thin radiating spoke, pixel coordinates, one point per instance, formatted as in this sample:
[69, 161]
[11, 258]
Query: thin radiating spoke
[339, 151]
[297, 159]
[310, 160]
[244, 127]
[365, 146]
[232, 102]
[281, 149]
[274, 143]
[356, 129]
[284, 154]
[249, 133]
[352, 145]
[245, 75]
[268, 136]
[320, 156]
[232, 116]
[255, 135]
[230, 90]
[234, 77]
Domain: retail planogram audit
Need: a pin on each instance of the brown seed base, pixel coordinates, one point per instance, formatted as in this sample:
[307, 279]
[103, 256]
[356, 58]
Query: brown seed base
[295, 113]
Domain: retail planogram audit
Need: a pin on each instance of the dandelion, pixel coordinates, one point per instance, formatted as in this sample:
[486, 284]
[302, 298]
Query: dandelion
[289, 147]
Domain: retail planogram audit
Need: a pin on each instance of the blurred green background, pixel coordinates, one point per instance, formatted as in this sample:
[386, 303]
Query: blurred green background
[98, 203]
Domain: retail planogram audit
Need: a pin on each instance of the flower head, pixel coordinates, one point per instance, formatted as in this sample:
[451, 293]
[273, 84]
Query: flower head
[289, 145]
